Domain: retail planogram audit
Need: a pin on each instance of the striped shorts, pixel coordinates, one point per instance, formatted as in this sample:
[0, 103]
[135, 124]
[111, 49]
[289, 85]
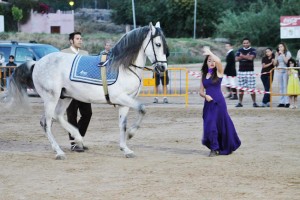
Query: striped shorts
[247, 79]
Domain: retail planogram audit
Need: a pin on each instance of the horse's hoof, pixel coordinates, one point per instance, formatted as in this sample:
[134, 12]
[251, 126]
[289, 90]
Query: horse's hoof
[130, 136]
[60, 157]
[129, 155]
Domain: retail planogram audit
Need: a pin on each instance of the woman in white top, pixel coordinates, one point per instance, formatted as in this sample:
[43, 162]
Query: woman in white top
[298, 58]
[281, 59]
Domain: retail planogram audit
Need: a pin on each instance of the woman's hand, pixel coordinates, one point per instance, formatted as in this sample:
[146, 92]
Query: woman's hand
[208, 98]
[206, 51]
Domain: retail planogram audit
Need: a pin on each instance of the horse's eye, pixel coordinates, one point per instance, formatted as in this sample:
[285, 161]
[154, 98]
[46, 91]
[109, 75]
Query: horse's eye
[158, 44]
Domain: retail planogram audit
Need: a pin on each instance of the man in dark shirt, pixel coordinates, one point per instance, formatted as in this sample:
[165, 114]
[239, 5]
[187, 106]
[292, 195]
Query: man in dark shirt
[245, 56]
[9, 71]
[230, 72]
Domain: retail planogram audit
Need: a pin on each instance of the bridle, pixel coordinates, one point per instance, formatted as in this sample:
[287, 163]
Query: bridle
[156, 62]
[151, 40]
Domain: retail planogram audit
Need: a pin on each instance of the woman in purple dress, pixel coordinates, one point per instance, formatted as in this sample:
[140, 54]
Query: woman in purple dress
[219, 133]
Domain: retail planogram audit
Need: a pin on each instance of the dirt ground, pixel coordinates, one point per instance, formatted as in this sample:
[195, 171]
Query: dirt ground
[170, 161]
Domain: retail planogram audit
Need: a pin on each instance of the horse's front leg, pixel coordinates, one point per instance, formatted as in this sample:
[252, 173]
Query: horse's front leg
[133, 129]
[123, 113]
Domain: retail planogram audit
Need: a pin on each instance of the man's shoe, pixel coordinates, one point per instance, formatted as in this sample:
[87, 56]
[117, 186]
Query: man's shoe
[229, 96]
[165, 100]
[287, 105]
[239, 105]
[255, 105]
[292, 107]
[280, 105]
[75, 147]
[155, 100]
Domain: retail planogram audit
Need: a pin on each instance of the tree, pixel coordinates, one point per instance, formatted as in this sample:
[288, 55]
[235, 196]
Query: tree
[17, 15]
[260, 22]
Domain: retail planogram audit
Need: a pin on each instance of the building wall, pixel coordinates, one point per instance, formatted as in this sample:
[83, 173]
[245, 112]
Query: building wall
[1, 23]
[41, 23]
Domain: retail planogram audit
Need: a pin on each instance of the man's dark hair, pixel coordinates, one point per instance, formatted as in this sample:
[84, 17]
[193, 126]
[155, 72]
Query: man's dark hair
[245, 38]
[11, 56]
[71, 35]
[230, 43]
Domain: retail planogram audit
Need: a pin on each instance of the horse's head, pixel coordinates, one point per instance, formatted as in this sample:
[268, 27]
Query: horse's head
[156, 48]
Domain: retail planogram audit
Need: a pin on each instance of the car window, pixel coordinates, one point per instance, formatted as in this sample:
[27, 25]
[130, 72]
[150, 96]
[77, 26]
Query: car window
[23, 54]
[41, 51]
[6, 52]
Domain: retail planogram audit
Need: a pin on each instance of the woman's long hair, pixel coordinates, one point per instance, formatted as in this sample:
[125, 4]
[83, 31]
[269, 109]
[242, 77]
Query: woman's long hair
[285, 47]
[204, 71]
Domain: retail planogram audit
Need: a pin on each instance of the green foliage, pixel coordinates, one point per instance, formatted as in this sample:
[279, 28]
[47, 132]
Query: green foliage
[17, 13]
[26, 6]
[260, 22]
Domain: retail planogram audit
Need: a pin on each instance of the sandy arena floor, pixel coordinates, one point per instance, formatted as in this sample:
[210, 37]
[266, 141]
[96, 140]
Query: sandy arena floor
[170, 161]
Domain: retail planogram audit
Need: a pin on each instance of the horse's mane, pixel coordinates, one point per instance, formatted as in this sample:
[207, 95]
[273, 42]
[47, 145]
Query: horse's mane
[127, 48]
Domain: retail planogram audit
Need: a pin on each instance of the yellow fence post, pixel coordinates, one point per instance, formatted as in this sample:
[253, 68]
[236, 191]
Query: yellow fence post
[177, 83]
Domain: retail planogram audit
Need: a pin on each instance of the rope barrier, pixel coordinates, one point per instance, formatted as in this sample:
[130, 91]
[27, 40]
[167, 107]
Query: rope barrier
[199, 76]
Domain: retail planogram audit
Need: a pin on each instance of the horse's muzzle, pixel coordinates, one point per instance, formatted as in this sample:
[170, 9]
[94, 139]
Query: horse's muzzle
[160, 67]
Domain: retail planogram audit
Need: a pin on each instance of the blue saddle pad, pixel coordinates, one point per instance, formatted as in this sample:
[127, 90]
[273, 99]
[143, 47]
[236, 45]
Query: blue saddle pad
[85, 69]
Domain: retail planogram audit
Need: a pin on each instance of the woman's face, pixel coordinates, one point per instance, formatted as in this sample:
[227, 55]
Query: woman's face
[268, 52]
[210, 62]
[281, 47]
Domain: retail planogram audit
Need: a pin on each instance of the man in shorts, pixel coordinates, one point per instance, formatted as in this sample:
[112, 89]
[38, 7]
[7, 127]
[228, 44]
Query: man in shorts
[246, 76]
[162, 77]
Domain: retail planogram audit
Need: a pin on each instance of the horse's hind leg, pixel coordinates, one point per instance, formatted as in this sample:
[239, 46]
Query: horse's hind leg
[46, 122]
[123, 112]
[59, 112]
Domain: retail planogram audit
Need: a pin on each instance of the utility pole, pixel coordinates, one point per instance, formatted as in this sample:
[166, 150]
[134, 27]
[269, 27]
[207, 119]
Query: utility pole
[195, 14]
[133, 15]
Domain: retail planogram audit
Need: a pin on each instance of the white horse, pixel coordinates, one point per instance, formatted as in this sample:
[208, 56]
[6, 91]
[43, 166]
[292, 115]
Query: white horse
[50, 76]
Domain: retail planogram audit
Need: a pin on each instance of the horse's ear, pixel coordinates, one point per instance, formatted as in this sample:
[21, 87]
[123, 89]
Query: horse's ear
[152, 28]
[157, 25]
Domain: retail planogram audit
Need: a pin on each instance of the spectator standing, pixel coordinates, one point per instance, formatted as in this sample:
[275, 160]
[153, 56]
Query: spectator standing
[230, 72]
[246, 76]
[106, 51]
[162, 78]
[281, 59]
[267, 65]
[219, 133]
[293, 87]
[85, 109]
[11, 63]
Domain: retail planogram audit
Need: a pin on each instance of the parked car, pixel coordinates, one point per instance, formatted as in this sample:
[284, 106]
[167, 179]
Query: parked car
[24, 52]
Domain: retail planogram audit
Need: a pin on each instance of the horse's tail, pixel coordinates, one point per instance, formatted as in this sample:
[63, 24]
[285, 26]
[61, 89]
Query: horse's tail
[21, 79]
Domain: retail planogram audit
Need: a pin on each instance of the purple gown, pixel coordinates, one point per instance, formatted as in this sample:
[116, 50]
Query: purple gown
[219, 132]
